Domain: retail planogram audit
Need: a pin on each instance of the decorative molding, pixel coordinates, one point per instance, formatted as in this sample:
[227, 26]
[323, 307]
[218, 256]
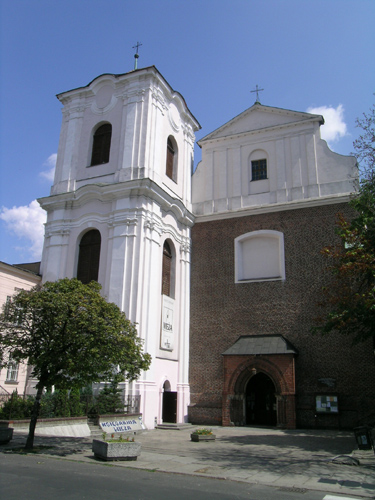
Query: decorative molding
[101, 111]
[174, 117]
[276, 207]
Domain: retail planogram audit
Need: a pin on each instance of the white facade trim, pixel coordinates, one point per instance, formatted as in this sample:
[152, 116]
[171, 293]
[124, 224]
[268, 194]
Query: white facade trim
[277, 207]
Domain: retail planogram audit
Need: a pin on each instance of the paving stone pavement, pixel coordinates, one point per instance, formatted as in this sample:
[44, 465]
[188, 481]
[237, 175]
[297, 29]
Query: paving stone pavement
[297, 459]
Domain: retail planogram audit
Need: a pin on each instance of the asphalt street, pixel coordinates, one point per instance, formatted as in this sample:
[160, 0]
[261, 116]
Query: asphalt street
[254, 463]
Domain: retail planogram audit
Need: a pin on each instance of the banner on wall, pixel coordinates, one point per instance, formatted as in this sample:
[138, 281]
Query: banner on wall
[167, 325]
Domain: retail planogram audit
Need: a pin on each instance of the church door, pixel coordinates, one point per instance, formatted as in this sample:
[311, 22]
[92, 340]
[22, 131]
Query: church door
[260, 401]
[169, 413]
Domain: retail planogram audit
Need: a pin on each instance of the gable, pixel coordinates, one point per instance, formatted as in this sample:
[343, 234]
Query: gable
[260, 117]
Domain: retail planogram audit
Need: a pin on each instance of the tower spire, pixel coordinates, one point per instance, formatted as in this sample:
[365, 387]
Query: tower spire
[136, 55]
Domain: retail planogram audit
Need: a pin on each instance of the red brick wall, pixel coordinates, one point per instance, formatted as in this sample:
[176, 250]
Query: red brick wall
[221, 311]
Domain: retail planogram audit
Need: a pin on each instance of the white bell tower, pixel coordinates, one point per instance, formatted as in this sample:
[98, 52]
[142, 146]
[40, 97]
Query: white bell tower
[120, 212]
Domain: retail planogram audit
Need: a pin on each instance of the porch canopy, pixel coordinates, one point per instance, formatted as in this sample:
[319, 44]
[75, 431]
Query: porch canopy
[260, 344]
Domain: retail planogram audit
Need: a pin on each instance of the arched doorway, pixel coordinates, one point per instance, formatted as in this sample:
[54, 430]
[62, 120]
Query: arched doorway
[259, 385]
[169, 413]
[260, 401]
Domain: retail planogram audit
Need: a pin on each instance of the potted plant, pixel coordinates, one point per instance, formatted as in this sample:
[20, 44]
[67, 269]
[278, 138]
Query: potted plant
[6, 432]
[116, 448]
[203, 435]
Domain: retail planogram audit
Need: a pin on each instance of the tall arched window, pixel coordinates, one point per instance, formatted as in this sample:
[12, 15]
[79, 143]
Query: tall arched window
[89, 255]
[101, 145]
[171, 164]
[167, 270]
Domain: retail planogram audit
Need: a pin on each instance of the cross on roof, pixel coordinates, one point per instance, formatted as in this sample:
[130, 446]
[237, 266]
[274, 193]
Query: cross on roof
[257, 90]
[136, 55]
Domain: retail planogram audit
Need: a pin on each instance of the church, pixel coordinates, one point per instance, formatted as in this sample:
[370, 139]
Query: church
[220, 268]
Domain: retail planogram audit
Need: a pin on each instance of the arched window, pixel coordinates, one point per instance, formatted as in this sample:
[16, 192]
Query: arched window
[89, 255]
[259, 256]
[171, 164]
[101, 145]
[167, 270]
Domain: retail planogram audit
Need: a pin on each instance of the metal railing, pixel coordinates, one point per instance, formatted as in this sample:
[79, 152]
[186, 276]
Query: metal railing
[125, 403]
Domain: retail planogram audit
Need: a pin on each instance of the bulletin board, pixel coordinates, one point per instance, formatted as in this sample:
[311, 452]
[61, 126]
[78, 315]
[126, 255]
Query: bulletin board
[326, 404]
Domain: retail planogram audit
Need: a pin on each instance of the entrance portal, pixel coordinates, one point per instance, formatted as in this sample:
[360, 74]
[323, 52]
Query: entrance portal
[260, 401]
[169, 404]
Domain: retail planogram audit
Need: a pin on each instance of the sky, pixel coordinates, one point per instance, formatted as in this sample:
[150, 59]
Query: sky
[307, 55]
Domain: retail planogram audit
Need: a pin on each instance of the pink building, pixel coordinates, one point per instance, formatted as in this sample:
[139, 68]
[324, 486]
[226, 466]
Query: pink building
[15, 376]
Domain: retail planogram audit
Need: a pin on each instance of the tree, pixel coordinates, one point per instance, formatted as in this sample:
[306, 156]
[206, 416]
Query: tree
[71, 336]
[349, 300]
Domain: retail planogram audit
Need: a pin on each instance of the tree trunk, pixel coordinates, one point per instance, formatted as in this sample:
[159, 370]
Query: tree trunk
[34, 418]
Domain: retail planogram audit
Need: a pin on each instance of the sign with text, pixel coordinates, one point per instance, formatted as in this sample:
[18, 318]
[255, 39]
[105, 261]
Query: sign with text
[167, 325]
[124, 424]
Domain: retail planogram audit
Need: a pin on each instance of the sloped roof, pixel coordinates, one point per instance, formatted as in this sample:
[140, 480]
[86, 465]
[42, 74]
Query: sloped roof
[260, 344]
[259, 117]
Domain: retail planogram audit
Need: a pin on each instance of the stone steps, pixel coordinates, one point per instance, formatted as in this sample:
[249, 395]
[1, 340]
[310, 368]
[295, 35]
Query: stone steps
[172, 426]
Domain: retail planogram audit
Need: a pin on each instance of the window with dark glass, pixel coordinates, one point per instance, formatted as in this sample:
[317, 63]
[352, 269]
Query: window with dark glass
[258, 170]
[89, 255]
[171, 166]
[167, 270]
[101, 145]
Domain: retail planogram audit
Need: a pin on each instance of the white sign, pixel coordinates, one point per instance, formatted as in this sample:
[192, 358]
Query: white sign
[124, 425]
[167, 325]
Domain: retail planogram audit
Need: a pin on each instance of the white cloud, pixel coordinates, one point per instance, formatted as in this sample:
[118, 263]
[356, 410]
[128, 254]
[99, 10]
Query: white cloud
[334, 127]
[27, 224]
[50, 163]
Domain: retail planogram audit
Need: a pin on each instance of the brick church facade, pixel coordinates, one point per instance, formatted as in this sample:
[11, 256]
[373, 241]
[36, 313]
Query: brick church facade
[253, 358]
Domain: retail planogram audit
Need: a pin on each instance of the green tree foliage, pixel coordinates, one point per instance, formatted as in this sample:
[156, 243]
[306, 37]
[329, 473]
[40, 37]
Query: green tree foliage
[61, 400]
[76, 408]
[109, 400]
[71, 336]
[349, 300]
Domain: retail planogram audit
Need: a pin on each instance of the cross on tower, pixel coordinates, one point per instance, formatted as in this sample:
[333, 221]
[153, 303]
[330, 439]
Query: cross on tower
[257, 90]
[136, 55]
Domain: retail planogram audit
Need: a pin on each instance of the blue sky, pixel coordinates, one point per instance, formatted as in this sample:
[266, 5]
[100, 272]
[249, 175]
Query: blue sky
[305, 54]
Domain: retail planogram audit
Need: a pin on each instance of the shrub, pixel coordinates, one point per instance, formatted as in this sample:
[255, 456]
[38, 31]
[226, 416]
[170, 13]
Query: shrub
[16, 407]
[75, 405]
[109, 400]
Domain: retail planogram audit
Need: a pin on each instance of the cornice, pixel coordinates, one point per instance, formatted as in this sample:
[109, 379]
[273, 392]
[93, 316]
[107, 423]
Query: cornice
[276, 207]
[105, 193]
[13, 270]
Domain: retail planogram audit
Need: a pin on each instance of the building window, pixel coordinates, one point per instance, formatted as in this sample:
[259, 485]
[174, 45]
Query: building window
[101, 145]
[167, 270]
[12, 371]
[258, 170]
[89, 255]
[259, 256]
[171, 164]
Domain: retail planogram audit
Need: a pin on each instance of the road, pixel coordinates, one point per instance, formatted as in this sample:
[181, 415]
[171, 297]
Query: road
[33, 477]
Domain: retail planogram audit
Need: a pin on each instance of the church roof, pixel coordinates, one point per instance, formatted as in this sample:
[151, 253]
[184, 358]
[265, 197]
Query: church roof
[260, 344]
[259, 117]
[148, 69]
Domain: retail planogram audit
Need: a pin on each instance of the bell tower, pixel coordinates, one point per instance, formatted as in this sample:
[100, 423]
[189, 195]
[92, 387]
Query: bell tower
[120, 212]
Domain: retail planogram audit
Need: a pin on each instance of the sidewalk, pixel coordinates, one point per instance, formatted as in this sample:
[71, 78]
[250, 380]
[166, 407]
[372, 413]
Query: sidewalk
[291, 460]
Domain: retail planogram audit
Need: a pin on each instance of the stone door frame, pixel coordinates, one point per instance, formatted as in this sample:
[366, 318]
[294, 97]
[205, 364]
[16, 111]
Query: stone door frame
[238, 370]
